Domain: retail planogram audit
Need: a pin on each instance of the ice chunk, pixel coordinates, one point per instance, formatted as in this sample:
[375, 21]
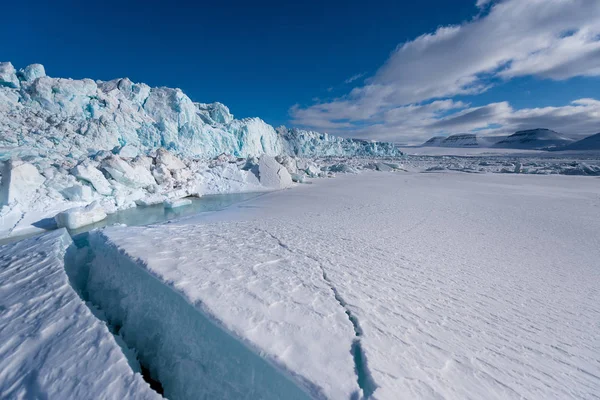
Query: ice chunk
[297, 178]
[134, 176]
[168, 159]
[8, 75]
[177, 203]
[32, 72]
[78, 193]
[80, 216]
[150, 200]
[341, 167]
[128, 151]
[20, 181]
[162, 174]
[383, 167]
[91, 174]
[272, 174]
[288, 162]
[312, 170]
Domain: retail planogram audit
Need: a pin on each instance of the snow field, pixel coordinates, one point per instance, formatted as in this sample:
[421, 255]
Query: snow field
[463, 285]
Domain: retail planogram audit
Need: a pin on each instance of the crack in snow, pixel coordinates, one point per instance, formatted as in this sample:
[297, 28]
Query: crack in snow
[364, 378]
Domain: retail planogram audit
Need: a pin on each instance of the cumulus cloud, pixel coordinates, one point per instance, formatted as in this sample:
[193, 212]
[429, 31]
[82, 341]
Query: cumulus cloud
[549, 39]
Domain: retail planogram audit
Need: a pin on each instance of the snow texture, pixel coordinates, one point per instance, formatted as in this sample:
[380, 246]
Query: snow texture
[443, 286]
[51, 345]
[218, 322]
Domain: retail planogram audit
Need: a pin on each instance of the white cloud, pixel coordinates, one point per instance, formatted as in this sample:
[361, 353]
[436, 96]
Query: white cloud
[483, 3]
[355, 77]
[415, 124]
[551, 39]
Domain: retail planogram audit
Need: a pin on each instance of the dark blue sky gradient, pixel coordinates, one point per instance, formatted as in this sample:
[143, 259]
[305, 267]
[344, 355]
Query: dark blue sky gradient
[257, 57]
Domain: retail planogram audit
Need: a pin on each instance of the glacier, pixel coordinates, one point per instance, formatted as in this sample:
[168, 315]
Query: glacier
[56, 118]
[123, 144]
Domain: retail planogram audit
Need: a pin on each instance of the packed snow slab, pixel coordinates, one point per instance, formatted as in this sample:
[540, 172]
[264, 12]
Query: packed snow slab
[463, 286]
[51, 346]
[224, 311]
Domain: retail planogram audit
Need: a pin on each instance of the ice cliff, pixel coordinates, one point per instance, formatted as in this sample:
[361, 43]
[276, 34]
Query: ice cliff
[97, 147]
[55, 117]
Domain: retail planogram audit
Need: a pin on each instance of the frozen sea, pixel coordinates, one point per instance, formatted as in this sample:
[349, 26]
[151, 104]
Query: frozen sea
[381, 285]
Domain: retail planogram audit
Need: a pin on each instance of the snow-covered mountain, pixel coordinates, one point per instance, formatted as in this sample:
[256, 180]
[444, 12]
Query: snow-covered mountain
[462, 140]
[588, 143]
[435, 141]
[56, 118]
[534, 139]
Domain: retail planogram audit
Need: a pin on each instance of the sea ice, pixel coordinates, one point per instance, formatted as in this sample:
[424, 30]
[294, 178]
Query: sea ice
[452, 287]
[89, 173]
[51, 345]
[80, 216]
[20, 181]
[177, 203]
[272, 174]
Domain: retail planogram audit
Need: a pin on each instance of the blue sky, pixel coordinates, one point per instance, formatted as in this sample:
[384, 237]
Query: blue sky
[418, 66]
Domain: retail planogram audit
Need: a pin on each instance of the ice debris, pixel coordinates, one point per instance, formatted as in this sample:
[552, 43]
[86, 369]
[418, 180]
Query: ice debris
[177, 203]
[80, 216]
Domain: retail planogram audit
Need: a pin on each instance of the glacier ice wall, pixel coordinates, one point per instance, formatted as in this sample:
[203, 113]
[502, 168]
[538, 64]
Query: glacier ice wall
[56, 118]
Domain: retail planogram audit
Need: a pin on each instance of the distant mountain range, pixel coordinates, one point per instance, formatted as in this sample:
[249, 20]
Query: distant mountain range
[589, 143]
[532, 139]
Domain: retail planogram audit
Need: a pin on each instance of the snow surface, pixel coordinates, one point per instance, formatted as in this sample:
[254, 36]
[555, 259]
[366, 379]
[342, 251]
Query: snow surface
[51, 345]
[454, 286]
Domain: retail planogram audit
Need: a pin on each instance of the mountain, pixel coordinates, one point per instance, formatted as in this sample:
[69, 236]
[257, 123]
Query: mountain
[588, 143]
[534, 139]
[56, 118]
[462, 140]
[435, 141]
